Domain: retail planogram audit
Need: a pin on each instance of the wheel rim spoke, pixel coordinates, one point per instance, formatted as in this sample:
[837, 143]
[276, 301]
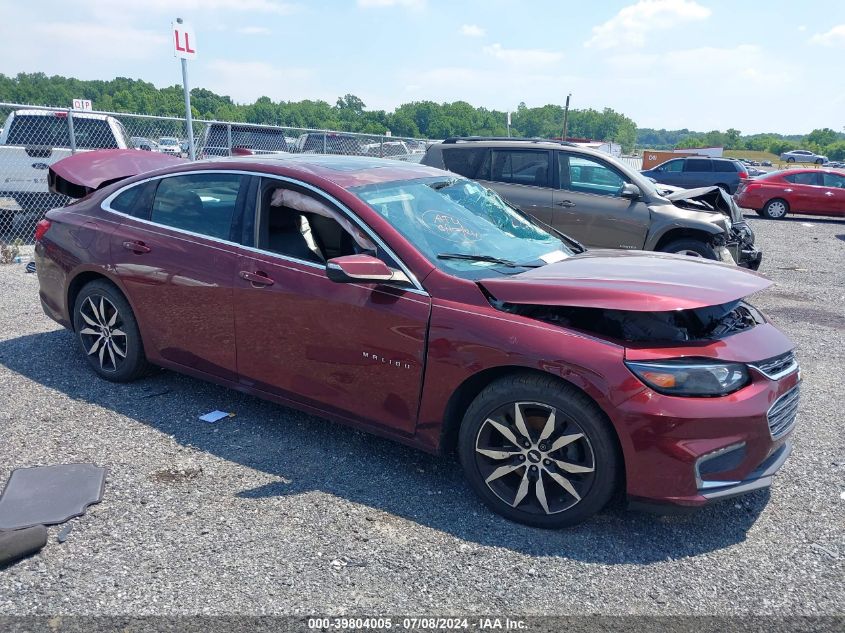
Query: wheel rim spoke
[540, 491]
[564, 483]
[504, 431]
[118, 332]
[95, 312]
[564, 440]
[573, 469]
[95, 346]
[501, 471]
[89, 331]
[522, 491]
[549, 428]
[519, 422]
[102, 354]
[88, 319]
[111, 355]
[496, 454]
[117, 349]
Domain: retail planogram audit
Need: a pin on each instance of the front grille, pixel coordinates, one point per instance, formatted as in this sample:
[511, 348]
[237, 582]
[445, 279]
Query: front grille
[778, 366]
[781, 415]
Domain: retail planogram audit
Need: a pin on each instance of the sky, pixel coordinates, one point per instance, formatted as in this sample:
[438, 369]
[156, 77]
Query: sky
[772, 66]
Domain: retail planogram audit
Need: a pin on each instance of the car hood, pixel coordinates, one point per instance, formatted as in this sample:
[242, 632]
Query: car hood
[628, 280]
[708, 199]
[78, 175]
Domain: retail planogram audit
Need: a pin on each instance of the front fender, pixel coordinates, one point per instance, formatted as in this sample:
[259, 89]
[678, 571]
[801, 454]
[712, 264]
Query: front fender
[662, 227]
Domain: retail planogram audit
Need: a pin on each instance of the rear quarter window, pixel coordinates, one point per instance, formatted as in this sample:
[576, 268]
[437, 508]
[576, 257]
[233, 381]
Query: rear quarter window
[727, 166]
[698, 164]
[466, 162]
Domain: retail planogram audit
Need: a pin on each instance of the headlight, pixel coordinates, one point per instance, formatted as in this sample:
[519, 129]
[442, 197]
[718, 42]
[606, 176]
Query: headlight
[728, 224]
[691, 377]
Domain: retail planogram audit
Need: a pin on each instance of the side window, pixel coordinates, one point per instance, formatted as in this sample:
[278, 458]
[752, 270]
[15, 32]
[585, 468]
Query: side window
[521, 167]
[673, 166]
[698, 164]
[200, 203]
[833, 180]
[136, 201]
[727, 166]
[586, 175]
[298, 225]
[466, 161]
[803, 178]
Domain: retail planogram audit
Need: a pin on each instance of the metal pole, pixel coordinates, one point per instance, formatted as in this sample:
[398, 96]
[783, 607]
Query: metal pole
[229, 137]
[189, 123]
[71, 134]
[566, 117]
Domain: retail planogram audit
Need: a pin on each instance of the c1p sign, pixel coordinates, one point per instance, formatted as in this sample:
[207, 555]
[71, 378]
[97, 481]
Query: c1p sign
[82, 104]
[184, 41]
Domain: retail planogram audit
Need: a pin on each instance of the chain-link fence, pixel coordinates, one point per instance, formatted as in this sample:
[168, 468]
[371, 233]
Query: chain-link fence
[34, 137]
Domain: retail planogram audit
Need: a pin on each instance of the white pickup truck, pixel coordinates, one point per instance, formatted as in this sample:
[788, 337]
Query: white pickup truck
[32, 140]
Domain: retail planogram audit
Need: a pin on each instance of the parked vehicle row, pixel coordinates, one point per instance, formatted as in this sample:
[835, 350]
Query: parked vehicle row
[560, 375]
[700, 171]
[815, 191]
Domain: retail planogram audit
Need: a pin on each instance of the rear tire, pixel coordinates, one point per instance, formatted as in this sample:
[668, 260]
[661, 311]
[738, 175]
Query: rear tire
[108, 333]
[691, 247]
[790, 160]
[775, 209]
[552, 465]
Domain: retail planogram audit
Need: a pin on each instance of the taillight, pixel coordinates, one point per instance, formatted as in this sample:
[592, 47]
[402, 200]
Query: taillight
[242, 151]
[41, 228]
[743, 174]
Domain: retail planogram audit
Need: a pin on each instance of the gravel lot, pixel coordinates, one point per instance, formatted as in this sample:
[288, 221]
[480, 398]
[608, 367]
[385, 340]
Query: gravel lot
[278, 512]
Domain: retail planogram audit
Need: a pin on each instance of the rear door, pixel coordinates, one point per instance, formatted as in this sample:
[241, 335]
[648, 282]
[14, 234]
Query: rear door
[355, 350]
[590, 208]
[804, 191]
[698, 172]
[174, 255]
[523, 177]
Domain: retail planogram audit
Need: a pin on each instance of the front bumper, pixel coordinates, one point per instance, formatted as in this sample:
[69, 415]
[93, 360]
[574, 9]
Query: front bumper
[742, 248]
[688, 452]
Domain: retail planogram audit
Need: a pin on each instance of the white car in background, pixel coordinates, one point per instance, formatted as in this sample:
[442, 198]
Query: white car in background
[169, 145]
[803, 156]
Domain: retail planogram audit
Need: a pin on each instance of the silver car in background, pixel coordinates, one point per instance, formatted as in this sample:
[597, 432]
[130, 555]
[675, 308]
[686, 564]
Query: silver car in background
[803, 156]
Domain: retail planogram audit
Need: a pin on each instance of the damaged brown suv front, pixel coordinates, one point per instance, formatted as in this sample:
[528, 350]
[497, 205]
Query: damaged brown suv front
[600, 202]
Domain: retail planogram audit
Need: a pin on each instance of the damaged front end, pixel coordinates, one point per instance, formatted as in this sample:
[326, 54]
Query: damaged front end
[629, 327]
[739, 240]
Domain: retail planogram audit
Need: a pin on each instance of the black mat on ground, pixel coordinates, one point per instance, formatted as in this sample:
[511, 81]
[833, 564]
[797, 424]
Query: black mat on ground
[47, 495]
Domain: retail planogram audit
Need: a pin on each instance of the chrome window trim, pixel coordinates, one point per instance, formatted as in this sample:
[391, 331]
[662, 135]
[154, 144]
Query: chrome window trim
[106, 206]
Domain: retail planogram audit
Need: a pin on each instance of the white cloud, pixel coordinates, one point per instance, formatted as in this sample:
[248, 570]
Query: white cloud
[527, 56]
[802, 28]
[381, 4]
[98, 40]
[254, 30]
[630, 26]
[834, 37]
[472, 30]
[246, 81]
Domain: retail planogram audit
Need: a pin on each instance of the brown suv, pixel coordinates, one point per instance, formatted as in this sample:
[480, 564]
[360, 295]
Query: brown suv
[600, 202]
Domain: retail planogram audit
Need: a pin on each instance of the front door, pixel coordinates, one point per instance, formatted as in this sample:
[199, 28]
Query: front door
[355, 349]
[176, 262]
[589, 207]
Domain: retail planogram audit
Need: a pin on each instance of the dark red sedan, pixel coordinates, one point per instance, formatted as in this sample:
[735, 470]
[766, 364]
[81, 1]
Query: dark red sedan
[420, 306]
[813, 191]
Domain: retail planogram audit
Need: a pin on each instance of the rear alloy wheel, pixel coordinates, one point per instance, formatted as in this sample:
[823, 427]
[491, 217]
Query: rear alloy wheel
[691, 247]
[790, 160]
[108, 333]
[775, 209]
[538, 452]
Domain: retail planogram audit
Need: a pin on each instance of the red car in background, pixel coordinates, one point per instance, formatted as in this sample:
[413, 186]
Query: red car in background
[420, 306]
[812, 191]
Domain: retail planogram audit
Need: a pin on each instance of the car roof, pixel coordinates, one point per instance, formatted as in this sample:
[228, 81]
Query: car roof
[76, 114]
[344, 171]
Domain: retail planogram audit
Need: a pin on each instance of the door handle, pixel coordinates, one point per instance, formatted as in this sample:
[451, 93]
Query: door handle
[136, 247]
[256, 278]
[566, 203]
[828, 193]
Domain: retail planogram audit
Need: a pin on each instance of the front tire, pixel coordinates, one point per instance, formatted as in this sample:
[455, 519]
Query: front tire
[775, 209]
[691, 247]
[538, 451]
[108, 333]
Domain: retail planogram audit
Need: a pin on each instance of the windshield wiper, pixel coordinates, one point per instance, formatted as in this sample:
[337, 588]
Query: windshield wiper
[485, 258]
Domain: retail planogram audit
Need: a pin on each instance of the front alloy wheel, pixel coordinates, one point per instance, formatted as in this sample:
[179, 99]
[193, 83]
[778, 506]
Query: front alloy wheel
[539, 451]
[532, 459]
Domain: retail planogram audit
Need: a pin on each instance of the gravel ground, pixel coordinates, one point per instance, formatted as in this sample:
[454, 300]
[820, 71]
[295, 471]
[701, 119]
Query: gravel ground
[276, 512]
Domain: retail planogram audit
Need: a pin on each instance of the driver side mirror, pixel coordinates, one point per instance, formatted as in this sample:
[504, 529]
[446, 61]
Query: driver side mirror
[362, 268]
[630, 191]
